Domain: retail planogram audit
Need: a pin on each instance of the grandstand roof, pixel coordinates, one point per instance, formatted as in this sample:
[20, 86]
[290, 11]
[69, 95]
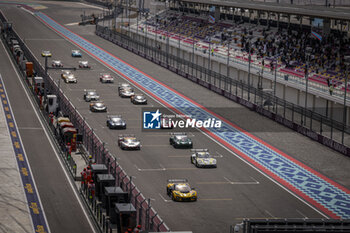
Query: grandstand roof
[303, 10]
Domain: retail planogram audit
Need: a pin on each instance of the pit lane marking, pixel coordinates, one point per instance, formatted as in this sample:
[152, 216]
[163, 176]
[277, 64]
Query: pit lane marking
[164, 199]
[162, 168]
[231, 182]
[251, 182]
[30, 128]
[214, 199]
[187, 156]
[304, 216]
[46, 39]
[218, 155]
[266, 211]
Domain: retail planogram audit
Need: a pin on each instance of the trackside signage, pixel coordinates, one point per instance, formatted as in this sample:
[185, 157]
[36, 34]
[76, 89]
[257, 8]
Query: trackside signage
[158, 119]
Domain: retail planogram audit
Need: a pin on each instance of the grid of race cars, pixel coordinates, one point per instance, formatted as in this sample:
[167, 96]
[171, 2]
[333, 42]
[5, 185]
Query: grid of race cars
[177, 189]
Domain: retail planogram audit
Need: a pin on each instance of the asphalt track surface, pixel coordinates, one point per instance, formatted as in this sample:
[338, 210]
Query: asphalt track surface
[220, 202]
[62, 209]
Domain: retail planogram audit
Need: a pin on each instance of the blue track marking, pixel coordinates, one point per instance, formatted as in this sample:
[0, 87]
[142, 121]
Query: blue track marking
[34, 205]
[326, 195]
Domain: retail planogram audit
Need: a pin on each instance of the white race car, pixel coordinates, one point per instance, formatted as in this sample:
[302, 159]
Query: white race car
[57, 63]
[202, 158]
[106, 78]
[128, 142]
[84, 65]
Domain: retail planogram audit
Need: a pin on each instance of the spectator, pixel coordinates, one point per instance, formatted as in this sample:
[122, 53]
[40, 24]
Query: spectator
[331, 88]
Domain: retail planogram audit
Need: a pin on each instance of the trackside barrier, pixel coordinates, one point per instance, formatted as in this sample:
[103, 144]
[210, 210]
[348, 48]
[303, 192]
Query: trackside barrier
[326, 131]
[147, 217]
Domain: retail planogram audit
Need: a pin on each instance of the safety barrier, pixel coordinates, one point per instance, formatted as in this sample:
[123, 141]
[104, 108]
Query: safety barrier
[147, 217]
[307, 122]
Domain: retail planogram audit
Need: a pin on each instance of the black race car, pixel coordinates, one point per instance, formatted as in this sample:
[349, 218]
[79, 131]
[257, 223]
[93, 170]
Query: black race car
[115, 122]
[180, 140]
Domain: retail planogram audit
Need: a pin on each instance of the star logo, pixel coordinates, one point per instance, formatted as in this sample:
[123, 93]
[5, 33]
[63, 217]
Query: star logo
[156, 115]
[151, 120]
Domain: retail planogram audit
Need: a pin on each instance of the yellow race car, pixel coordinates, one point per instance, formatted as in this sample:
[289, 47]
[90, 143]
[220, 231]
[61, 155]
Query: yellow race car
[46, 53]
[180, 190]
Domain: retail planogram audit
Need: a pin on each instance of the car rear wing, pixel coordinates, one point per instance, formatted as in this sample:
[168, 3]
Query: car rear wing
[199, 150]
[106, 74]
[82, 62]
[89, 90]
[126, 135]
[121, 84]
[177, 181]
[116, 116]
[178, 133]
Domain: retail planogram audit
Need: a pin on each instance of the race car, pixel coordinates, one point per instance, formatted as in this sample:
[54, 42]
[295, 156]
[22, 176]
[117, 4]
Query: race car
[123, 85]
[76, 53]
[180, 140]
[202, 158]
[126, 92]
[128, 142]
[106, 78]
[57, 63]
[90, 95]
[68, 77]
[180, 190]
[84, 65]
[138, 99]
[166, 123]
[115, 122]
[98, 106]
[46, 53]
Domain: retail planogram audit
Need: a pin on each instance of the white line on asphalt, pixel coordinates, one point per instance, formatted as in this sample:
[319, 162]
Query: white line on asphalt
[28, 11]
[218, 155]
[47, 39]
[304, 216]
[53, 148]
[29, 128]
[266, 211]
[72, 24]
[150, 169]
[91, 6]
[247, 182]
[162, 168]
[164, 199]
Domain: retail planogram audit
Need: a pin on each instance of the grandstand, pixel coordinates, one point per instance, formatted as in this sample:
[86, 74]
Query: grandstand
[292, 49]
